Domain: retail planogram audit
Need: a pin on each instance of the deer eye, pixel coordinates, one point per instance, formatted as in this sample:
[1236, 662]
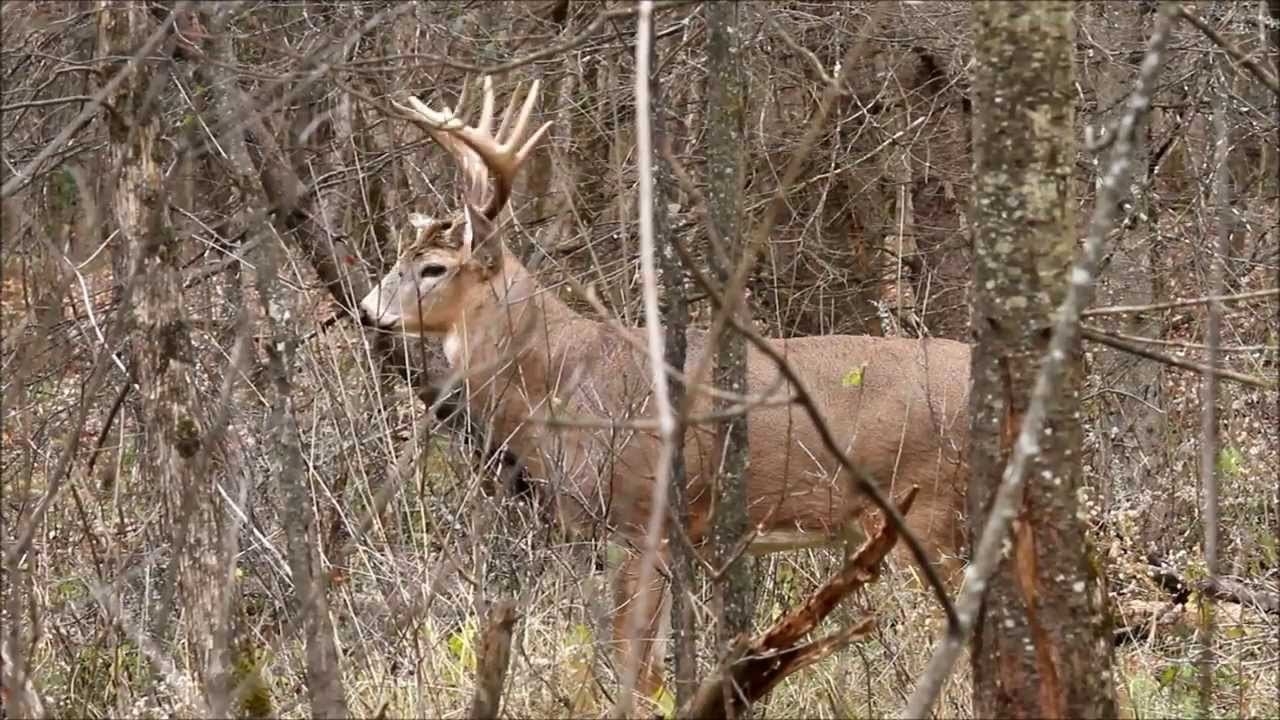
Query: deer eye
[432, 271]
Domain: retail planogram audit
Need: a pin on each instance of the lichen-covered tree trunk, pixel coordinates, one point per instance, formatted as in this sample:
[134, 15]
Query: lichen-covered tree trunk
[164, 357]
[675, 323]
[1041, 646]
[725, 121]
[324, 681]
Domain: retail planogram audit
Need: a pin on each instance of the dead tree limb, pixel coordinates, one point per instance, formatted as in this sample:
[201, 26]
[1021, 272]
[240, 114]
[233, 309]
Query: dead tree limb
[755, 667]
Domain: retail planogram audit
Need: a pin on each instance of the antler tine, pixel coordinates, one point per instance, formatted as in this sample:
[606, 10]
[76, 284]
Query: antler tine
[442, 125]
[485, 123]
[511, 149]
[502, 154]
[525, 110]
[511, 107]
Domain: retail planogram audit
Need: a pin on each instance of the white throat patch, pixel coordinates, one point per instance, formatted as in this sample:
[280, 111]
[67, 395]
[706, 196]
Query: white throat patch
[453, 347]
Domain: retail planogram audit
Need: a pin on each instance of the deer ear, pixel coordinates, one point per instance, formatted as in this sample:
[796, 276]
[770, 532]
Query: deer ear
[479, 237]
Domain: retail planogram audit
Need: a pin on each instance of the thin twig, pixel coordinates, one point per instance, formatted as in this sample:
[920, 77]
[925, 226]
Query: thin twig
[1114, 342]
[657, 355]
[1008, 497]
[1181, 302]
[1248, 63]
[776, 28]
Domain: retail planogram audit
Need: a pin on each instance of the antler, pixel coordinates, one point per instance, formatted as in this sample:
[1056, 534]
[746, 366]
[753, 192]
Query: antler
[477, 150]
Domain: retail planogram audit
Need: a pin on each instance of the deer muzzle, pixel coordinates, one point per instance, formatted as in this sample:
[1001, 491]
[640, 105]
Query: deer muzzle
[380, 308]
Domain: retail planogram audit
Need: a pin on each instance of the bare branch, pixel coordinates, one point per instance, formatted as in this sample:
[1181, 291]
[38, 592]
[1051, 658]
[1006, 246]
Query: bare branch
[1130, 309]
[1257, 71]
[1113, 341]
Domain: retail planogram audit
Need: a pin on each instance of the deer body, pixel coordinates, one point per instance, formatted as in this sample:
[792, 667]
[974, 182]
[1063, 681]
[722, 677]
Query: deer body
[904, 422]
[571, 395]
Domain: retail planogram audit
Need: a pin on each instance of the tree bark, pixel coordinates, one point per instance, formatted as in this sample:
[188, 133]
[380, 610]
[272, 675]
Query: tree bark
[675, 322]
[725, 122]
[164, 359]
[324, 681]
[1042, 645]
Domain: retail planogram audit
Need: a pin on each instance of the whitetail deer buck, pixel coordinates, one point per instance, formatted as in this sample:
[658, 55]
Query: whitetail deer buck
[525, 356]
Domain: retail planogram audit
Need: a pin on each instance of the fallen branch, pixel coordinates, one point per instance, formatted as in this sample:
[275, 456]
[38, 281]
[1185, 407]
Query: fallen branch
[1143, 340]
[1225, 589]
[1234, 591]
[755, 667]
[1145, 620]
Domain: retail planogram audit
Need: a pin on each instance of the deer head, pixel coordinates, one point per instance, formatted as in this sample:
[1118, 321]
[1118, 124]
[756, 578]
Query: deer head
[424, 291]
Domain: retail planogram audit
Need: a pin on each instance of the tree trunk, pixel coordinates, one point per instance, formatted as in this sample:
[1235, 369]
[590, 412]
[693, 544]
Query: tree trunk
[1041, 646]
[675, 321]
[164, 359]
[324, 682]
[725, 122]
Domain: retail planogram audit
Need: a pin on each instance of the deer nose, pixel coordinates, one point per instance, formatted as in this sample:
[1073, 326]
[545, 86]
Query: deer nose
[371, 310]
[370, 319]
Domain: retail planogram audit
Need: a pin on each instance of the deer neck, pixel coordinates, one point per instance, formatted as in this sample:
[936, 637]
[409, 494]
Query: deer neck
[510, 323]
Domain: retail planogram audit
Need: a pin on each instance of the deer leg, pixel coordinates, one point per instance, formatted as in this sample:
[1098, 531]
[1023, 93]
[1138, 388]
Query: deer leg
[641, 652]
[939, 528]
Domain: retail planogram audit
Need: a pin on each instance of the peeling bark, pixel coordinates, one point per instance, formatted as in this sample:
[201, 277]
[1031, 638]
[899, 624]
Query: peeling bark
[1042, 646]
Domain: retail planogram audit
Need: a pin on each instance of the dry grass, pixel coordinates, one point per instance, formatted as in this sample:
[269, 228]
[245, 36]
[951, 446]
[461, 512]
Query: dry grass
[407, 620]
[407, 601]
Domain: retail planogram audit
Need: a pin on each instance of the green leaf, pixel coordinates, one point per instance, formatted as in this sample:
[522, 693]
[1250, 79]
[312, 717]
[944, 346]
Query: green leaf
[853, 378]
[1229, 461]
[665, 701]
[462, 646]
[580, 634]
